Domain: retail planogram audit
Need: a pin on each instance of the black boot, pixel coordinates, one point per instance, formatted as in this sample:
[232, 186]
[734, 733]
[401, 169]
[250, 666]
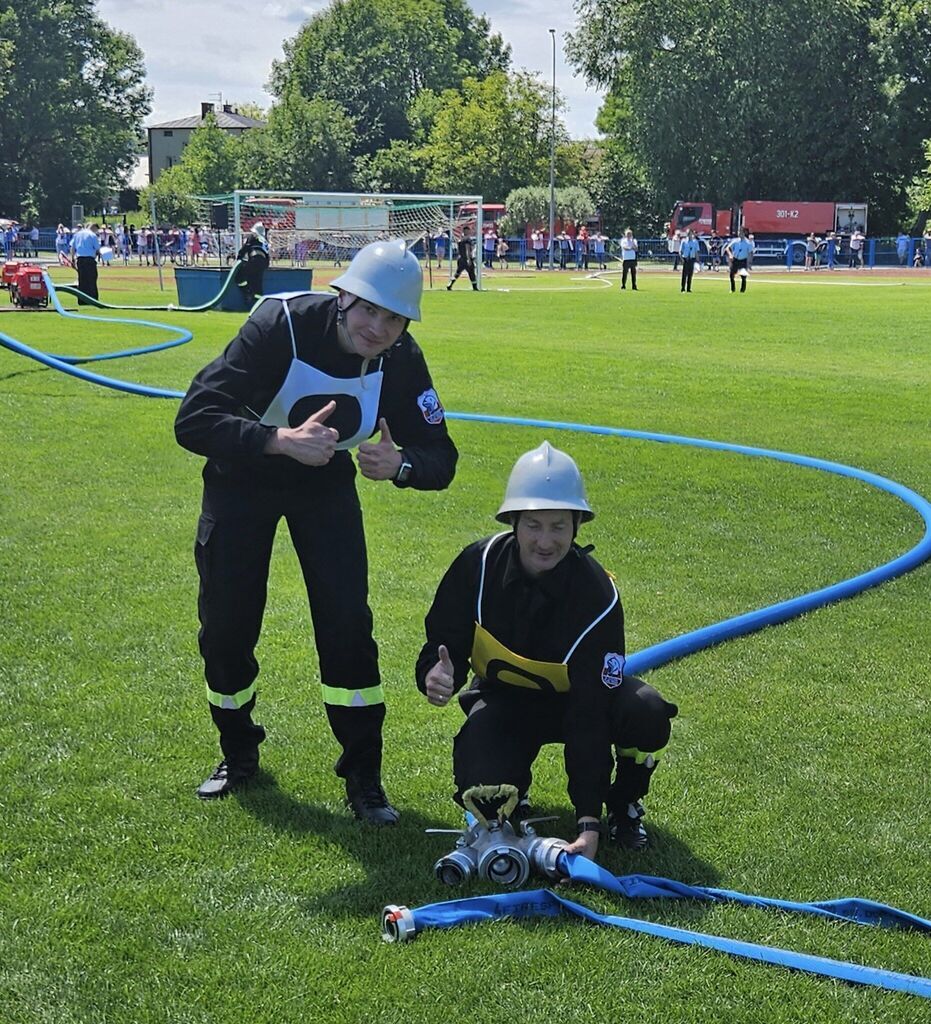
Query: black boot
[228, 775]
[367, 801]
[626, 829]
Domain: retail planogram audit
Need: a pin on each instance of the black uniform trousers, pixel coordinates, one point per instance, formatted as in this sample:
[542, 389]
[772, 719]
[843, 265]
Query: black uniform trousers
[233, 550]
[631, 267]
[468, 266]
[87, 277]
[736, 267]
[506, 728]
[688, 268]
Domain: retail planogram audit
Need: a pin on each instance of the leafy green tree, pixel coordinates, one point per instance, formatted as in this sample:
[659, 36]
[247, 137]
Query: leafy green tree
[746, 99]
[529, 206]
[398, 168]
[491, 137]
[80, 99]
[306, 144]
[173, 193]
[210, 159]
[373, 57]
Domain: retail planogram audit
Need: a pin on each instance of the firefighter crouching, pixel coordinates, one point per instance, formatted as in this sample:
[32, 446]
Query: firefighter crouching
[542, 626]
[308, 377]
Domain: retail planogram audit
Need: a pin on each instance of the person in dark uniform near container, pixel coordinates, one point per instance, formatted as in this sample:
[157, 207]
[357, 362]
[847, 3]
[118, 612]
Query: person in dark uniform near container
[465, 260]
[85, 245]
[253, 257]
[738, 251]
[308, 377]
[688, 251]
[541, 625]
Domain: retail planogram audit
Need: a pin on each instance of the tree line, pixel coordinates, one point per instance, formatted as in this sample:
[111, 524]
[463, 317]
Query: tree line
[720, 100]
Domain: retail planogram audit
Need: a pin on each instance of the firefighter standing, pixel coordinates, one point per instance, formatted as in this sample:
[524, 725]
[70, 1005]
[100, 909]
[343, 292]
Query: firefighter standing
[541, 624]
[308, 377]
[253, 256]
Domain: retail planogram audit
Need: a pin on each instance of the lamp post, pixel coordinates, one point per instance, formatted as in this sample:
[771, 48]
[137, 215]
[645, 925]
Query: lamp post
[553, 154]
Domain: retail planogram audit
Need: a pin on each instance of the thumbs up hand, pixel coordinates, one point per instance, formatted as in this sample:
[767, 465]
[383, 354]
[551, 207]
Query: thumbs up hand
[312, 443]
[379, 460]
[441, 679]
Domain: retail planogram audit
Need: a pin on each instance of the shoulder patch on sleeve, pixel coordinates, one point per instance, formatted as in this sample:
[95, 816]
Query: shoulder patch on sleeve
[430, 406]
[612, 672]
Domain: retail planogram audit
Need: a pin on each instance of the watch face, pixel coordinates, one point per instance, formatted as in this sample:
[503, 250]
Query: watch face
[403, 473]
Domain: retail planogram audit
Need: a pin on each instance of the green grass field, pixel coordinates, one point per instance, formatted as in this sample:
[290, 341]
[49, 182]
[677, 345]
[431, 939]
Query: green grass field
[798, 766]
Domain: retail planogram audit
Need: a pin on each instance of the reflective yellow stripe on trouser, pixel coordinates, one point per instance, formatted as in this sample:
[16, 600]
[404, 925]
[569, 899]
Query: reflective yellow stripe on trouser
[231, 701]
[353, 698]
[644, 757]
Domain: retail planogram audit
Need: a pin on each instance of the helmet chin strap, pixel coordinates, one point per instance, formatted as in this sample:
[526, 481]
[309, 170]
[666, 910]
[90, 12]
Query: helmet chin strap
[343, 331]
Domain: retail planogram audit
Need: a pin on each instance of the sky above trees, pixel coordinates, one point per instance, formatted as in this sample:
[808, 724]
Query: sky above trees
[251, 34]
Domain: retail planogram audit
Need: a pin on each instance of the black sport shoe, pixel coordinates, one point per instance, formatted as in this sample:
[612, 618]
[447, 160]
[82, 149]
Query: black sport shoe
[626, 830]
[367, 801]
[227, 776]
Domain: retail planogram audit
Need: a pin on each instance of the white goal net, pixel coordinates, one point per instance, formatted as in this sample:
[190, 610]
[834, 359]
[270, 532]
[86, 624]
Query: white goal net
[304, 227]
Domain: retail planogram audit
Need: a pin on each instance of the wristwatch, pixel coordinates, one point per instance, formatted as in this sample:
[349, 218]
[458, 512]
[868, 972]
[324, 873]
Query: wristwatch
[403, 474]
[588, 826]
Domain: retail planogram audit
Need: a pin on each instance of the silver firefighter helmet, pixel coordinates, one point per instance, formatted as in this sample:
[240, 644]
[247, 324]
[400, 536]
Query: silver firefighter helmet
[386, 273]
[545, 478]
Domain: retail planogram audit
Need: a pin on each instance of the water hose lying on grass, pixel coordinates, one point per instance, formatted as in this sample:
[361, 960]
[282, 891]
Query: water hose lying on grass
[216, 300]
[401, 924]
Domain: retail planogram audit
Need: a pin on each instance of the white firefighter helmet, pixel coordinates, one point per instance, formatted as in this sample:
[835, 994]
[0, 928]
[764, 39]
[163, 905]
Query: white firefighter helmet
[545, 478]
[386, 273]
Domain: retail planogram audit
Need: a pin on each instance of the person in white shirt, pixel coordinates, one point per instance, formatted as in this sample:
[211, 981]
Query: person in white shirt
[629, 259]
[856, 249]
[738, 251]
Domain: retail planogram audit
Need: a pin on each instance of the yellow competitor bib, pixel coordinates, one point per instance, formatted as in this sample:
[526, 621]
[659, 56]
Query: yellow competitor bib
[492, 660]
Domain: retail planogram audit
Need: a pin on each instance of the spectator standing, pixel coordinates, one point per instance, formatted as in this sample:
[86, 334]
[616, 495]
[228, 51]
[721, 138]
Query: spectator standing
[439, 247]
[901, 248]
[502, 253]
[85, 245]
[927, 241]
[830, 244]
[565, 249]
[629, 247]
[856, 249]
[811, 246]
[489, 244]
[34, 240]
[598, 248]
[538, 243]
[582, 245]
[62, 243]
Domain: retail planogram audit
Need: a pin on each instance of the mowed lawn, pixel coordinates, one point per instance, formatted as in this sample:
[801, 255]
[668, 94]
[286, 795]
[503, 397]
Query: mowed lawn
[798, 766]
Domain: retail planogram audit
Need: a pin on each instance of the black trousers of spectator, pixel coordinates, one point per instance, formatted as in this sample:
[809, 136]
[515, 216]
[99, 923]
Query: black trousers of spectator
[87, 277]
[630, 266]
[736, 267]
[688, 268]
[504, 731]
[539, 253]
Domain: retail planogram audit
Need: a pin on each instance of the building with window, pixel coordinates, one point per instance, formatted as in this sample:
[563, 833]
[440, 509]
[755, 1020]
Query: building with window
[167, 140]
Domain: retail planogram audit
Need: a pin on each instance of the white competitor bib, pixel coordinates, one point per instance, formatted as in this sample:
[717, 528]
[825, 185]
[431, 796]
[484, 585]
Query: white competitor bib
[304, 385]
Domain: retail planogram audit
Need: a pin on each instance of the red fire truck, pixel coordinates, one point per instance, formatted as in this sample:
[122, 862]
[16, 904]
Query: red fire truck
[778, 222]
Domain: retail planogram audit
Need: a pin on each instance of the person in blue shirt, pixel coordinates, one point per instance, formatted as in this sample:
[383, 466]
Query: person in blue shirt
[738, 251]
[85, 245]
[688, 252]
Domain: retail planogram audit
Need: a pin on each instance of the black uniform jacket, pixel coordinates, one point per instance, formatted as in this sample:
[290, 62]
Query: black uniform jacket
[219, 416]
[540, 618]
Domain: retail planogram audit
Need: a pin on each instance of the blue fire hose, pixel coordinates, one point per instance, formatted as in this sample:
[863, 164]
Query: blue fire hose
[401, 924]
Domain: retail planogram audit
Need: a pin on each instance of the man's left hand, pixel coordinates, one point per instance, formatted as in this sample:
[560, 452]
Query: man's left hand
[586, 844]
[379, 460]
